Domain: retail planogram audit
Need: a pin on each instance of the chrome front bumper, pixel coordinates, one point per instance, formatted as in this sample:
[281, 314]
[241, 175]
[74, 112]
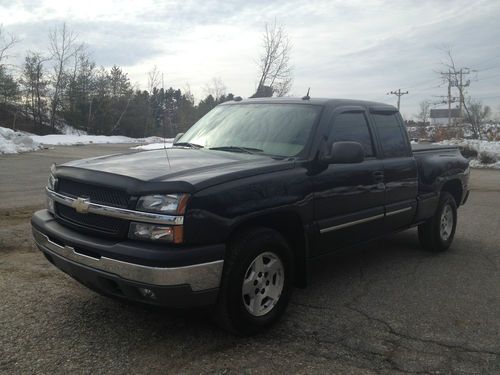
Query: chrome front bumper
[199, 276]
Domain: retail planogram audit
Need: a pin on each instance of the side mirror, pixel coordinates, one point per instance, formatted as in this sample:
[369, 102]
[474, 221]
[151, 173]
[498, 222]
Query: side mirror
[177, 137]
[345, 153]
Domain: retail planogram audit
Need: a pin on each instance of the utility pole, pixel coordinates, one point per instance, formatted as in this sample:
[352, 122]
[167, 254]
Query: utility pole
[456, 79]
[461, 86]
[399, 94]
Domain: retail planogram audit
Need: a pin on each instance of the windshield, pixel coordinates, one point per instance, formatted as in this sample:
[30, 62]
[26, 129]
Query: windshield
[274, 129]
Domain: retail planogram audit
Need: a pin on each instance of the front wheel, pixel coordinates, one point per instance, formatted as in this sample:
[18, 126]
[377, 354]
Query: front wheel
[256, 282]
[437, 233]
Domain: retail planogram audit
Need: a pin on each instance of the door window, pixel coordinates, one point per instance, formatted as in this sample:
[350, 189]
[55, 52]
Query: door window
[352, 126]
[392, 138]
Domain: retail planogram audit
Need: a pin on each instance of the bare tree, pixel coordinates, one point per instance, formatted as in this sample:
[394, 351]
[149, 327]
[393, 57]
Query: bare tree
[425, 110]
[477, 114]
[154, 79]
[216, 88]
[63, 47]
[7, 41]
[274, 63]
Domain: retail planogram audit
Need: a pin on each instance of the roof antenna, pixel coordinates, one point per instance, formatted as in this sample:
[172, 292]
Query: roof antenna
[307, 97]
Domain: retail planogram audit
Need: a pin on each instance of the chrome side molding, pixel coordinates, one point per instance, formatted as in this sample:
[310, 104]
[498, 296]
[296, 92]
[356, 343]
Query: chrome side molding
[364, 220]
[398, 211]
[198, 276]
[120, 213]
[351, 223]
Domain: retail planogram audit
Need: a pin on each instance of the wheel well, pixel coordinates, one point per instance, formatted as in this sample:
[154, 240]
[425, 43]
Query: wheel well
[454, 187]
[289, 225]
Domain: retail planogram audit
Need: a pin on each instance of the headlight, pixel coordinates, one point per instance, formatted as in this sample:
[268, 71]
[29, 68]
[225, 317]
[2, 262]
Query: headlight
[173, 204]
[51, 182]
[156, 233]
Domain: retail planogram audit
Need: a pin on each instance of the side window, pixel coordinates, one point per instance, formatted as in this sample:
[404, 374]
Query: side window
[352, 126]
[391, 135]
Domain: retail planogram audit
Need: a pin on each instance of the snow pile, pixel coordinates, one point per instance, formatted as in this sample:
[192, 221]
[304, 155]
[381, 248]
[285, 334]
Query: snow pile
[156, 146]
[12, 142]
[475, 163]
[491, 148]
[69, 130]
[67, 139]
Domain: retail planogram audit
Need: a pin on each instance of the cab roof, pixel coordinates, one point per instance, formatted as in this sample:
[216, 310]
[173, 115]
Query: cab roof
[327, 102]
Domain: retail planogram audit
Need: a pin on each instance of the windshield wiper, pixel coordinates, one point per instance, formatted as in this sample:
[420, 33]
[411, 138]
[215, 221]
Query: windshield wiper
[188, 144]
[248, 150]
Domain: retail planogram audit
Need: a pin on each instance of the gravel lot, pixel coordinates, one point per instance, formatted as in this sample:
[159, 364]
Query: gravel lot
[387, 308]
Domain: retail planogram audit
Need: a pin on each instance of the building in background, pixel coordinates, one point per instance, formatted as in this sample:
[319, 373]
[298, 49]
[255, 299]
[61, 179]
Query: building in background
[440, 116]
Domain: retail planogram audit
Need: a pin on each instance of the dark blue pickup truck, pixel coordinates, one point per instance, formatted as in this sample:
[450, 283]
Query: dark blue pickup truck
[230, 216]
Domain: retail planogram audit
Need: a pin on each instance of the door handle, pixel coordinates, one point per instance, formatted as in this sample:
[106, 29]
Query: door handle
[378, 176]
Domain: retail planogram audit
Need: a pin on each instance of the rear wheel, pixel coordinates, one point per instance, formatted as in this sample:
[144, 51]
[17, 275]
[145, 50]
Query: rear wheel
[437, 233]
[256, 282]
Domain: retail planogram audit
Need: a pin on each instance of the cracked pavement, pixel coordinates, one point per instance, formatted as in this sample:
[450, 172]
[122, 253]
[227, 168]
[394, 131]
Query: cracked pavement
[389, 307]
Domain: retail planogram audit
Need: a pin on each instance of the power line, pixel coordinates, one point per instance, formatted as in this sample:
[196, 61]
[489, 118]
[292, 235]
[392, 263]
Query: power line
[493, 76]
[420, 83]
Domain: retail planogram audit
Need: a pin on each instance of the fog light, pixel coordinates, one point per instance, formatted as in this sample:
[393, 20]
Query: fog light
[152, 232]
[50, 205]
[147, 293]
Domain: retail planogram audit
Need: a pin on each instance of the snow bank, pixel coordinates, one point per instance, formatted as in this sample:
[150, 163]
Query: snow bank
[490, 147]
[13, 142]
[475, 163]
[476, 144]
[67, 139]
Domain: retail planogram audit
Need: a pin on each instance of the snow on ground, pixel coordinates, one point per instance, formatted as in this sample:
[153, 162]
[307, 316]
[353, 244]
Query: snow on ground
[490, 147]
[13, 142]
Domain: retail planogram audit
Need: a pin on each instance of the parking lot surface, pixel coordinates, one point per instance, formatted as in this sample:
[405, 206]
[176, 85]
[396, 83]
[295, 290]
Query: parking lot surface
[390, 307]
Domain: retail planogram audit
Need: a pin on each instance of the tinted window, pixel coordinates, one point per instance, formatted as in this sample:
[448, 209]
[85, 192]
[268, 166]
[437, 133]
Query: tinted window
[352, 127]
[391, 136]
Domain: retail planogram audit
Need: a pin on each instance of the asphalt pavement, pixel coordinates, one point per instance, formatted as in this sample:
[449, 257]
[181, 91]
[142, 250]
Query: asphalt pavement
[390, 307]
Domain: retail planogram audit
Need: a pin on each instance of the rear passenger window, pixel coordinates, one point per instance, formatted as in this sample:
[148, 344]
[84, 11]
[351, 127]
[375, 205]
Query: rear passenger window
[391, 135]
[352, 127]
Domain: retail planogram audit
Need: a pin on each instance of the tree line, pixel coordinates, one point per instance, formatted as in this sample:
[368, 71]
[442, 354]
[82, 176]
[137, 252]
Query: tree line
[65, 85]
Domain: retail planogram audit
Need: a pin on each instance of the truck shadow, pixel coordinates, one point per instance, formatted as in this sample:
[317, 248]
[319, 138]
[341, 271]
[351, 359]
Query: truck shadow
[335, 275]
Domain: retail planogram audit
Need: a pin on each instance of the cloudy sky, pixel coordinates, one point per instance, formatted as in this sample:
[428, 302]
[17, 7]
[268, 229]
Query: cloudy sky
[349, 49]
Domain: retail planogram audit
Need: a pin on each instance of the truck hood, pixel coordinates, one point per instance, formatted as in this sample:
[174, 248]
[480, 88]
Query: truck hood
[196, 168]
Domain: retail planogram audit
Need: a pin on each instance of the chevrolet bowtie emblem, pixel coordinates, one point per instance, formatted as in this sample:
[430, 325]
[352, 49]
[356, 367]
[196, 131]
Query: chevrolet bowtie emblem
[81, 205]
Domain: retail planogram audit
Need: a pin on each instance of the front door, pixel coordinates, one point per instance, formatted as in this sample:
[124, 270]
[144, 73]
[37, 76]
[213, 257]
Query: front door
[349, 198]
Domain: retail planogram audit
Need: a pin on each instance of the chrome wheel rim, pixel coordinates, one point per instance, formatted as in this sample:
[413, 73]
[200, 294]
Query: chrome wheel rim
[263, 284]
[446, 222]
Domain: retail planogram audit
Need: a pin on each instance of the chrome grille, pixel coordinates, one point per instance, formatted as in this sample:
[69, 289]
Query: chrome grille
[97, 223]
[96, 194]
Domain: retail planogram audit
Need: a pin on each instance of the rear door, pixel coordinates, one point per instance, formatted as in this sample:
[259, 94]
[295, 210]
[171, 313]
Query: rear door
[348, 198]
[400, 168]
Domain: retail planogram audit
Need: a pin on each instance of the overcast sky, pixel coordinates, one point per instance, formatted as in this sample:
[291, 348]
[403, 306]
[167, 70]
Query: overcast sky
[346, 49]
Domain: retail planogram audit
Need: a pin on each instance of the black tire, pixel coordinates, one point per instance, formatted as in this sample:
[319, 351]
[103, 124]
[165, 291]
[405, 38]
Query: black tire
[430, 235]
[230, 311]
